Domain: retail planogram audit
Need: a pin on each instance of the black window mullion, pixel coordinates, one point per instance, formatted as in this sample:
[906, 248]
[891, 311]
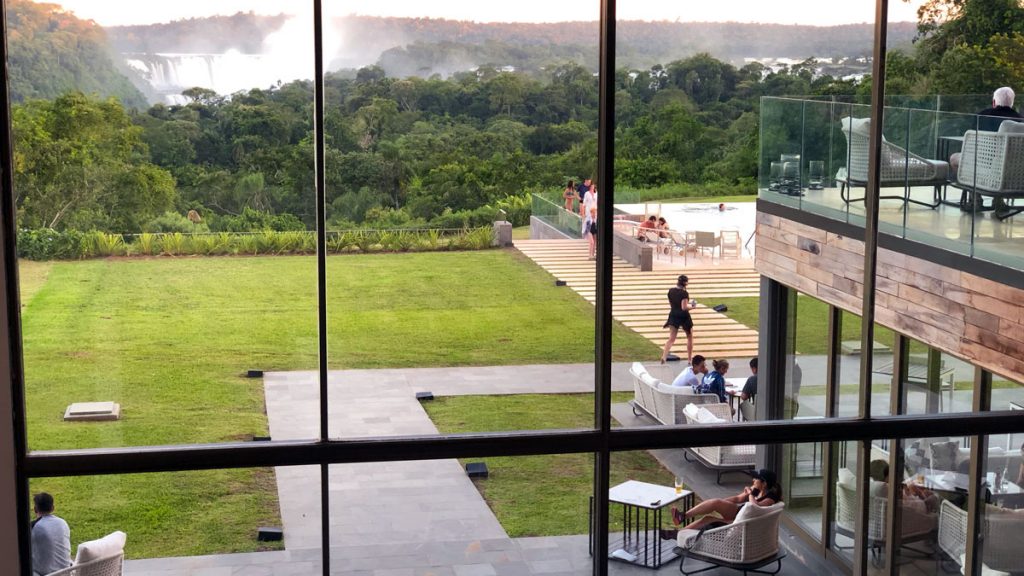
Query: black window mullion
[603, 308]
[321, 273]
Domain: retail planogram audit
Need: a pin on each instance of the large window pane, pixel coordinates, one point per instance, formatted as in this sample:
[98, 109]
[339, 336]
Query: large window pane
[433, 135]
[165, 209]
[237, 521]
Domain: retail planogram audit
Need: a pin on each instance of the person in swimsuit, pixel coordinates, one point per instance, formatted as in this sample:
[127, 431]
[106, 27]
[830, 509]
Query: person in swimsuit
[764, 490]
[679, 317]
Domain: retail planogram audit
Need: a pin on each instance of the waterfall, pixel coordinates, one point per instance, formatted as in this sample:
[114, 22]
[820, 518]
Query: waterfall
[225, 73]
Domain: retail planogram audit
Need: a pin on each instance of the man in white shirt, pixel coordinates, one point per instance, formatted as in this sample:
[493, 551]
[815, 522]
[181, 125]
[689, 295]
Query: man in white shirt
[51, 538]
[689, 376]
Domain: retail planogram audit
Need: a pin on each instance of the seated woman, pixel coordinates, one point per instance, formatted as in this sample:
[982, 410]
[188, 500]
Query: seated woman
[913, 495]
[714, 381]
[764, 490]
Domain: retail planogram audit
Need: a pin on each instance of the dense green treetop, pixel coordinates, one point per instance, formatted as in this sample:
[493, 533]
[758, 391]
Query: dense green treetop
[52, 52]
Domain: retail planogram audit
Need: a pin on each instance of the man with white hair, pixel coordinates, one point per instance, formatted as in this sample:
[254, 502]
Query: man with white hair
[1002, 107]
[989, 120]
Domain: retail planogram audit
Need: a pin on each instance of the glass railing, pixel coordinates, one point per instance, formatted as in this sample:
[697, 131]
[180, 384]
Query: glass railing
[552, 212]
[948, 178]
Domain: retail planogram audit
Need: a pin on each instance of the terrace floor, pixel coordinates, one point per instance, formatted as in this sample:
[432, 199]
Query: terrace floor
[948, 227]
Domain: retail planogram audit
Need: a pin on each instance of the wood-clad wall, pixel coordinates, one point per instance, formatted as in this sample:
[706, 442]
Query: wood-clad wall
[959, 313]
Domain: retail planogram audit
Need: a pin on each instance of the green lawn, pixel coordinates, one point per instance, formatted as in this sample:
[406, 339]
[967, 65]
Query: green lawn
[171, 339]
[540, 495]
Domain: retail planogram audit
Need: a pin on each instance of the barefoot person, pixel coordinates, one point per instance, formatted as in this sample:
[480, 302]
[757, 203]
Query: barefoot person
[679, 317]
[764, 490]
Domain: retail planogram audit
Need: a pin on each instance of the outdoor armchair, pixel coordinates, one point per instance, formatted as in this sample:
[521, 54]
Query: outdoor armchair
[899, 167]
[103, 557]
[748, 543]
[1002, 537]
[719, 458]
[992, 164]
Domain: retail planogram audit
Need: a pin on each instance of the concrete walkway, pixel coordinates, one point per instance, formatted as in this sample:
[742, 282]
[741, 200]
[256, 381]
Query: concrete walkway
[639, 302]
[423, 518]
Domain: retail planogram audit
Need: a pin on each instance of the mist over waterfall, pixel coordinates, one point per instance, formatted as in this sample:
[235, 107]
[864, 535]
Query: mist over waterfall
[169, 74]
[279, 60]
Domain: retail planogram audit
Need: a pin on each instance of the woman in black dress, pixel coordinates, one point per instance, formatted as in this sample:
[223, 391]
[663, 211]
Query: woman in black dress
[679, 317]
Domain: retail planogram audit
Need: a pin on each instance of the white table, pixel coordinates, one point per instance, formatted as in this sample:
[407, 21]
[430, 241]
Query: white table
[642, 504]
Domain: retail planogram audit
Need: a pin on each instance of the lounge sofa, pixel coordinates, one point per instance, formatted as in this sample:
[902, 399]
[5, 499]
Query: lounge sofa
[662, 401]
[719, 458]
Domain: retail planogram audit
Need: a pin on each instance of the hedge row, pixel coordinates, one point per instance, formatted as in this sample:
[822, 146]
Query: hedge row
[47, 244]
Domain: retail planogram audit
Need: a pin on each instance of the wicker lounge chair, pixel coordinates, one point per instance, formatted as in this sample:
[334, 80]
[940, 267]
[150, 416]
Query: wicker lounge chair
[915, 525]
[1002, 534]
[900, 168]
[663, 402]
[719, 458]
[746, 545]
[102, 557]
[106, 566]
[992, 164]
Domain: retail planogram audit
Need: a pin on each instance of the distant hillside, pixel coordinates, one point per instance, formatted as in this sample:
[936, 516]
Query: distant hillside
[52, 52]
[418, 44]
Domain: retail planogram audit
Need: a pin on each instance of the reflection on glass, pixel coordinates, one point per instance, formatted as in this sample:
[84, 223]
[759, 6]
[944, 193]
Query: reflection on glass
[1002, 520]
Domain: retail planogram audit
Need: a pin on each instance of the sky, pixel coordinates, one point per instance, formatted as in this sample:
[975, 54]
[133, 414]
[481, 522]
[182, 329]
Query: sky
[813, 12]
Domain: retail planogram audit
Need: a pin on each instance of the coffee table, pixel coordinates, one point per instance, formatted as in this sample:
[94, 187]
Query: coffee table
[642, 504]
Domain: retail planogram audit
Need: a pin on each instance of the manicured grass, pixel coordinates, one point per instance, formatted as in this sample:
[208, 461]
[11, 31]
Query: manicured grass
[31, 276]
[521, 233]
[171, 339]
[540, 495]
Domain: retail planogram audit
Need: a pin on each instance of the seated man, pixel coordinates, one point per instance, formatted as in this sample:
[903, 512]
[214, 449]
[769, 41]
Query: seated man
[913, 495]
[51, 537]
[989, 119]
[693, 374]
[750, 386]
[650, 224]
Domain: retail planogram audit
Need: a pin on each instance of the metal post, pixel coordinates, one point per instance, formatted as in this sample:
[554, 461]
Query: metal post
[982, 402]
[603, 308]
[321, 272]
[14, 508]
[860, 558]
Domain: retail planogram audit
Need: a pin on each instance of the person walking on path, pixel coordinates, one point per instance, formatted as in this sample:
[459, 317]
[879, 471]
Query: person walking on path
[679, 317]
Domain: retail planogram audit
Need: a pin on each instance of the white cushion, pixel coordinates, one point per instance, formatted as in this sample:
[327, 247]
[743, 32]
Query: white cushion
[649, 380]
[685, 537]
[857, 125]
[1011, 127]
[847, 479]
[749, 511]
[95, 549]
[637, 369]
[985, 570]
[691, 411]
[704, 416]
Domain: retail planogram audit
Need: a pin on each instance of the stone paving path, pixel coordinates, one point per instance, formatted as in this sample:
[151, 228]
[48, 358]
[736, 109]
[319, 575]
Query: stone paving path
[638, 298]
[420, 518]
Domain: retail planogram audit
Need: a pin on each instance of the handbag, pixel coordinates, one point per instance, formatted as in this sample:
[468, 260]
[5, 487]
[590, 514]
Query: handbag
[593, 228]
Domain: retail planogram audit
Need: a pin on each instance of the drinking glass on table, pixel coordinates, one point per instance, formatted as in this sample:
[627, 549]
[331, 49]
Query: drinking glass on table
[679, 485]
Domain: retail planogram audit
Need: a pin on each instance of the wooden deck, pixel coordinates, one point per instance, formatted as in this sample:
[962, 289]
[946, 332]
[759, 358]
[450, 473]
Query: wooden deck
[639, 298]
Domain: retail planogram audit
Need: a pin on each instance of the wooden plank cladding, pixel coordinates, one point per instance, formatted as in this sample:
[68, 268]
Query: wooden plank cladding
[954, 311]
